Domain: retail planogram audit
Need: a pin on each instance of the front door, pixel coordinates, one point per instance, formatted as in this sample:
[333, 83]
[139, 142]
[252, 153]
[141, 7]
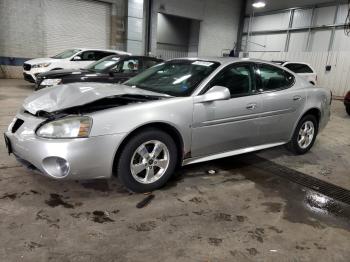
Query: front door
[227, 125]
[125, 69]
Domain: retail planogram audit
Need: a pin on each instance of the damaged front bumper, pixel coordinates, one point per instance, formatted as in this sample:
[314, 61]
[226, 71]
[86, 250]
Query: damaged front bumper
[78, 158]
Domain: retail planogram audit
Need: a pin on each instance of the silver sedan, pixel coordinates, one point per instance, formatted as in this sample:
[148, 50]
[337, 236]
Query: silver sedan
[177, 113]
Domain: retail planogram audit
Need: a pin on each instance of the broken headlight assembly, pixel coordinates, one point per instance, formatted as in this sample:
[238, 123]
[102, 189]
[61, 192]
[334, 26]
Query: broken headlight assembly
[51, 82]
[68, 127]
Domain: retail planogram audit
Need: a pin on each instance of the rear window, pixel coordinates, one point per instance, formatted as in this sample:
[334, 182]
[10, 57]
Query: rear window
[299, 68]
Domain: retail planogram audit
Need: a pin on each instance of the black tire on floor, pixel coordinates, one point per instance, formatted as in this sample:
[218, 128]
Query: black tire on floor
[348, 110]
[123, 163]
[293, 144]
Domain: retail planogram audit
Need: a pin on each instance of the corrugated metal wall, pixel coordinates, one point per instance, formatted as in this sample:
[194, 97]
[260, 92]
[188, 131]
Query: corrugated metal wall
[168, 51]
[311, 34]
[79, 23]
[268, 32]
[338, 79]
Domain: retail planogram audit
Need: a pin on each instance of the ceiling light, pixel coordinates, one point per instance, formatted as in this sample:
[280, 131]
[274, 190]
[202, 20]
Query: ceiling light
[259, 4]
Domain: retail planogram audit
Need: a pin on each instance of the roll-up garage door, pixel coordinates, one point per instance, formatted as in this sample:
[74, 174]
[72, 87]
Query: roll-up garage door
[76, 23]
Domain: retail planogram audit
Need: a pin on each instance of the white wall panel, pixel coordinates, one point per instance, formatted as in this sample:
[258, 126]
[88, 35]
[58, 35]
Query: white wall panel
[135, 27]
[324, 15]
[135, 8]
[341, 41]
[298, 41]
[342, 14]
[319, 40]
[302, 18]
[272, 42]
[134, 46]
[268, 22]
[219, 26]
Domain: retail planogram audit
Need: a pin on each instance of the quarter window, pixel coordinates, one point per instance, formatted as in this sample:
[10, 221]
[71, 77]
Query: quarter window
[274, 78]
[238, 79]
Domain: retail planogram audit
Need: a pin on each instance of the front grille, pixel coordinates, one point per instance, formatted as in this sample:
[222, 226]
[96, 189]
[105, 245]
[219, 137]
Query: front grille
[27, 67]
[17, 125]
[28, 78]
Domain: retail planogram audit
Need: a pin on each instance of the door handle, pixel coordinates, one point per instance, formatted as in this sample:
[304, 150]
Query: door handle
[251, 106]
[297, 98]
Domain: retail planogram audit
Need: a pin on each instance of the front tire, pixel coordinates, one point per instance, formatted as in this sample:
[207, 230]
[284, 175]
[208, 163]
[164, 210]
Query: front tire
[147, 161]
[304, 135]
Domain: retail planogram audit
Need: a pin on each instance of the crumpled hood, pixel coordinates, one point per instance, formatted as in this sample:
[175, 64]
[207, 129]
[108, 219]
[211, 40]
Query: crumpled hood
[65, 96]
[40, 60]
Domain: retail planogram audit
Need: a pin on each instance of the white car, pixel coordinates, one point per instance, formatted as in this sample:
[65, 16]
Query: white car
[303, 69]
[69, 59]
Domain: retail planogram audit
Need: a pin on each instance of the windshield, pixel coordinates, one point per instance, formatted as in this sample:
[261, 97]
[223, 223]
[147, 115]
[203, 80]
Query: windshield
[66, 54]
[175, 78]
[103, 64]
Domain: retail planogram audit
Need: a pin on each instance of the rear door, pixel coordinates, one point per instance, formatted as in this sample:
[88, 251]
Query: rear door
[282, 103]
[228, 125]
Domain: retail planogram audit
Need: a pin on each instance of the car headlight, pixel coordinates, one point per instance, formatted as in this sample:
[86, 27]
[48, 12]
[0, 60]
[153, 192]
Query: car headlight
[51, 82]
[68, 127]
[41, 65]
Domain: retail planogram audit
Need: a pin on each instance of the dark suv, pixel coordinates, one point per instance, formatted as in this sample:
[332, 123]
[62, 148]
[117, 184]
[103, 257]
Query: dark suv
[111, 69]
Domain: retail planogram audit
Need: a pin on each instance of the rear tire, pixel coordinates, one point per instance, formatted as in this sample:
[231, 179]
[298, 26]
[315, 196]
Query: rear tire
[304, 135]
[348, 110]
[147, 161]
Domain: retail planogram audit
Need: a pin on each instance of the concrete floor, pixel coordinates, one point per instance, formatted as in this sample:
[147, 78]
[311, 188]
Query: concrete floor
[243, 212]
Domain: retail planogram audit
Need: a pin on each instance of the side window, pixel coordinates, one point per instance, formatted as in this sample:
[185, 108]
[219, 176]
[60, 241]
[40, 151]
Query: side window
[147, 63]
[237, 78]
[274, 78]
[127, 66]
[88, 56]
[100, 54]
[299, 68]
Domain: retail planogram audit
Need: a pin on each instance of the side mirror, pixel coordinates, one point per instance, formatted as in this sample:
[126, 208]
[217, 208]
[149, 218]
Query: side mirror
[76, 58]
[215, 93]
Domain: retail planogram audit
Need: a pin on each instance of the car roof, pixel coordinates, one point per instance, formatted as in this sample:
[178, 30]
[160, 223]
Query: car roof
[289, 62]
[106, 50]
[135, 56]
[225, 60]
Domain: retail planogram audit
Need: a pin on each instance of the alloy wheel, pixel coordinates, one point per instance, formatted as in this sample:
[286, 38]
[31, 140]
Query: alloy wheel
[149, 162]
[306, 134]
